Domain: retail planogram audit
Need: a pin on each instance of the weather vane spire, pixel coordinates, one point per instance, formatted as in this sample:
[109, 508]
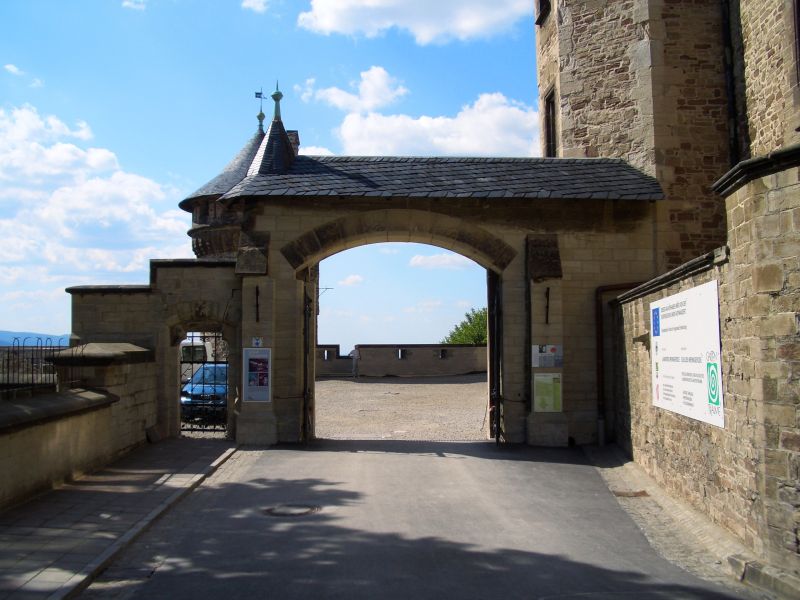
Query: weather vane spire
[260, 115]
[277, 97]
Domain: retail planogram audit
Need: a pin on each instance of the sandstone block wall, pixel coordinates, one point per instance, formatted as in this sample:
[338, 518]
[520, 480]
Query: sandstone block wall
[643, 80]
[744, 476]
[38, 456]
[770, 69]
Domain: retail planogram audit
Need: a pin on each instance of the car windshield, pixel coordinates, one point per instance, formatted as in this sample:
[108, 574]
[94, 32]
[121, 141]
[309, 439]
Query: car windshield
[211, 375]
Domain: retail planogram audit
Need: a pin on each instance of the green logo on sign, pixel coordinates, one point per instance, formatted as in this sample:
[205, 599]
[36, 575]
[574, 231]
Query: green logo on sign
[713, 383]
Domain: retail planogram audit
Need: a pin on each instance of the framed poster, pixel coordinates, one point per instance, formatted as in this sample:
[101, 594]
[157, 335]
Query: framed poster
[547, 392]
[685, 354]
[257, 374]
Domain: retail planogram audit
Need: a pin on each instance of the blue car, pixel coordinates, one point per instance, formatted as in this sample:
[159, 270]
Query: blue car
[205, 397]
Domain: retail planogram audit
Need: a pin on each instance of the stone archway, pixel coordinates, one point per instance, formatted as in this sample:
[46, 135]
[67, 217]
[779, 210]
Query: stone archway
[398, 225]
[307, 250]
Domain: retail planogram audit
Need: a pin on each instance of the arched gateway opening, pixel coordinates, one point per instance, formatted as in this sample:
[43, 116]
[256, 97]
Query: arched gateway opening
[382, 369]
[306, 252]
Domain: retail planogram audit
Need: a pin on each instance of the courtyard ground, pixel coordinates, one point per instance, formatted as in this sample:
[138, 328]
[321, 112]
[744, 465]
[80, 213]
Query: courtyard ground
[403, 408]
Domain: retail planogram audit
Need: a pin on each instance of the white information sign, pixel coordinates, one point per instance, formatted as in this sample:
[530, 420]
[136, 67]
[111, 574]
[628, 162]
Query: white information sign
[257, 367]
[685, 354]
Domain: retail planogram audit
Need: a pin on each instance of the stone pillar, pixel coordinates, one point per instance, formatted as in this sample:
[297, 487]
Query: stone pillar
[256, 422]
[547, 425]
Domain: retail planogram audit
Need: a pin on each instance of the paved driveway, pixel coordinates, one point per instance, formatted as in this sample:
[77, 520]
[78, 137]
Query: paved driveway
[399, 519]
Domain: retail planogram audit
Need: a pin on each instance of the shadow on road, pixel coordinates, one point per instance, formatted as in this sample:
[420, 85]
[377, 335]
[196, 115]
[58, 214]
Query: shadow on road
[485, 450]
[220, 544]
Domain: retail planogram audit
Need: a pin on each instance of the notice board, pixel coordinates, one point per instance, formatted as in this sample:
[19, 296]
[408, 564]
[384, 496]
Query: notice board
[257, 376]
[685, 354]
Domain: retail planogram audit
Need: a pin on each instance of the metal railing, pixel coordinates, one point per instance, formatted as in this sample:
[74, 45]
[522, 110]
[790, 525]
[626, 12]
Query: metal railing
[26, 366]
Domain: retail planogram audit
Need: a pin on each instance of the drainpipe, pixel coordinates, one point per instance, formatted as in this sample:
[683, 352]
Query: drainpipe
[600, 353]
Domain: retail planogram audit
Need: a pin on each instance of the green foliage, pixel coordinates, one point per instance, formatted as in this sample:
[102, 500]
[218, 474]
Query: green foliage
[472, 330]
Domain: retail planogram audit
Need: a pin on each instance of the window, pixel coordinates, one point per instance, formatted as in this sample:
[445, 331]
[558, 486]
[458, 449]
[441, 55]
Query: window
[550, 140]
[542, 10]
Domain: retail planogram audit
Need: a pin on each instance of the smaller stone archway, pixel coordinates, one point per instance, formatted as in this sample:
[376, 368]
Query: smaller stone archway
[398, 225]
[307, 250]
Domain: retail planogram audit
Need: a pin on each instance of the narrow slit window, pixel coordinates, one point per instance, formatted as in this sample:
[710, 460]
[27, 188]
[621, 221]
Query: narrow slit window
[550, 141]
[542, 10]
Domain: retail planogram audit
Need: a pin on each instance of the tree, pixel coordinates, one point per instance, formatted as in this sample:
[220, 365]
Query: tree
[472, 330]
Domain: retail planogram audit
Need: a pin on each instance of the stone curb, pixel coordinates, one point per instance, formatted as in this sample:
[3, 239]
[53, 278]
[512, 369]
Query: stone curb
[763, 576]
[81, 580]
[739, 562]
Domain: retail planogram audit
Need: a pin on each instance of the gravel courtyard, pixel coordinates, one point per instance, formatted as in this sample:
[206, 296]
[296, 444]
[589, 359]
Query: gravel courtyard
[403, 408]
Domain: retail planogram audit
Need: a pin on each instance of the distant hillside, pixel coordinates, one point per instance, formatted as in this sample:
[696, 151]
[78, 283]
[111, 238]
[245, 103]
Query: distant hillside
[7, 338]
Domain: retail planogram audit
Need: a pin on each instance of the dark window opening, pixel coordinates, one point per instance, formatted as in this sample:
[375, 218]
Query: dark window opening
[797, 40]
[542, 10]
[550, 141]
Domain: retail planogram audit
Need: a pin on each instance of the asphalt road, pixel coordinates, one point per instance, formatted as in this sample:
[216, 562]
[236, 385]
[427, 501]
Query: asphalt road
[399, 519]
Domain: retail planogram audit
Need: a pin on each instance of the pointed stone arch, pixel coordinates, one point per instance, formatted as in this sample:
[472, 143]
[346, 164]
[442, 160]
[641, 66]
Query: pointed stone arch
[399, 225]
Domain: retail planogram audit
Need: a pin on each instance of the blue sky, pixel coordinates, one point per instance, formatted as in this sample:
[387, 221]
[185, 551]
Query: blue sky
[112, 111]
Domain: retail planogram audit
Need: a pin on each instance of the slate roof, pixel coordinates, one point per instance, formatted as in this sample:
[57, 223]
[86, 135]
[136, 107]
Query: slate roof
[268, 166]
[232, 174]
[417, 177]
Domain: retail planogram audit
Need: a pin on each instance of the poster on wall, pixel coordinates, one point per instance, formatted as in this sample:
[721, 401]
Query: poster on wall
[685, 354]
[257, 367]
[548, 355]
[547, 392]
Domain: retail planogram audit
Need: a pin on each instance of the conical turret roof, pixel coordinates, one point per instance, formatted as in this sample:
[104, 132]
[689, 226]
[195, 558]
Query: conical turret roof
[233, 173]
[270, 153]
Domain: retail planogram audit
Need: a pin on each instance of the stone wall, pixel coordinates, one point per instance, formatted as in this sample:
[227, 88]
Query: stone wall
[644, 80]
[76, 431]
[329, 363]
[744, 476]
[419, 360]
[770, 74]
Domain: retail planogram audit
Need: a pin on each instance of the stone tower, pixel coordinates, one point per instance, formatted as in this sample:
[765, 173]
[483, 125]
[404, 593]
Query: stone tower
[643, 80]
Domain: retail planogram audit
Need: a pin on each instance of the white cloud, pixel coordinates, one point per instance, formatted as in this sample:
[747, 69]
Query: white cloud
[315, 151]
[492, 126]
[423, 306]
[258, 6]
[305, 91]
[428, 21]
[463, 304]
[351, 280]
[37, 83]
[446, 260]
[14, 70]
[70, 215]
[134, 4]
[375, 89]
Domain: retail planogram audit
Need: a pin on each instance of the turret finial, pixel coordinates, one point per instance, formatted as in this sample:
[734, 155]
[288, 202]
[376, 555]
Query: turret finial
[277, 97]
[260, 116]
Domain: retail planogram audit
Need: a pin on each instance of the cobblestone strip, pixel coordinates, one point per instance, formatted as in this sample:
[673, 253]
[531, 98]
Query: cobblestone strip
[676, 531]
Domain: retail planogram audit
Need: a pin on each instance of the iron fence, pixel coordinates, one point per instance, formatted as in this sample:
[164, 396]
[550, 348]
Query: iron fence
[26, 366]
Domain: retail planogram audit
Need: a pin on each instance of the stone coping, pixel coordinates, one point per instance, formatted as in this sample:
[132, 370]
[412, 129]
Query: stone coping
[755, 168]
[155, 264]
[109, 289]
[696, 265]
[102, 353]
[27, 412]
[415, 345]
